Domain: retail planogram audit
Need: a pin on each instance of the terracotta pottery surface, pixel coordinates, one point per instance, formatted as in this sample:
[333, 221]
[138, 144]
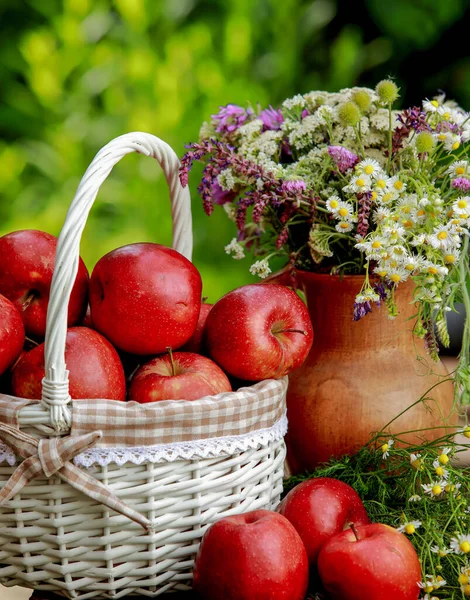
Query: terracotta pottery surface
[361, 375]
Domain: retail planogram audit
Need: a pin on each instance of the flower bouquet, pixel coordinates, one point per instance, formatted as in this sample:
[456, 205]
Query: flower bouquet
[342, 183]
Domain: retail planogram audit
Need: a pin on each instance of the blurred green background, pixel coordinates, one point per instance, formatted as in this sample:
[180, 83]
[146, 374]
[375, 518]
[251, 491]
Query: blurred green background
[76, 73]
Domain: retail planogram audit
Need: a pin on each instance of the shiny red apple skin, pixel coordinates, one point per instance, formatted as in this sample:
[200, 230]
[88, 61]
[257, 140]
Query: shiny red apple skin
[381, 565]
[254, 556]
[95, 370]
[196, 342]
[319, 509]
[145, 297]
[195, 377]
[245, 332]
[11, 334]
[26, 267]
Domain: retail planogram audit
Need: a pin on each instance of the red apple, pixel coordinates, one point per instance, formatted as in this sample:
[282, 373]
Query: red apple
[178, 376]
[26, 267]
[195, 343]
[259, 332]
[254, 556]
[319, 509]
[374, 562]
[11, 334]
[95, 370]
[145, 297]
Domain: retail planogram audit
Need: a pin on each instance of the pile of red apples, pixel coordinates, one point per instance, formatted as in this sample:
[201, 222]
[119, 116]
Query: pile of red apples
[320, 535]
[138, 329]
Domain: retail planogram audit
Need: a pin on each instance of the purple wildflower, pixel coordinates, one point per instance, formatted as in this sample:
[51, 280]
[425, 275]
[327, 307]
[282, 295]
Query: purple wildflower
[296, 186]
[272, 119]
[363, 213]
[411, 119]
[282, 238]
[220, 196]
[305, 113]
[445, 126]
[231, 117]
[343, 158]
[381, 290]
[461, 183]
[414, 118]
[361, 309]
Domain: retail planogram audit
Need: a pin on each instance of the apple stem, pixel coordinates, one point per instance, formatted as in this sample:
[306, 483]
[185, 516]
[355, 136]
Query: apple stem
[129, 379]
[28, 300]
[354, 530]
[30, 341]
[173, 366]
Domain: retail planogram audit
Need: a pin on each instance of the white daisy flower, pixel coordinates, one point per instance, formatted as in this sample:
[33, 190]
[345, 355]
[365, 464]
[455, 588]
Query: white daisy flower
[377, 243]
[368, 297]
[435, 269]
[442, 551]
[235, 249]
[441, 238]
[459, 168]
[409, 527]
[395, 233]
[370, 167]
[397, 275]
[412, 263]
[453, 488]
[260, 268]
[345, 211]
[418, 214]
[460, 544]
[381, 270]
[430, 106]
[414, 498]
[452, 141]
[333, 203]
[462, 206]
[394, 183]
[465, 431]
[381, 183]
[358, 184]
[386, 196]
[415, 461]
[398, 252]
[418, 240]
[385, 448]
[435, 488]
[406, 204]
[440, 470]
[431, 583]
[344, 226]
[444, 455]
[381, 214]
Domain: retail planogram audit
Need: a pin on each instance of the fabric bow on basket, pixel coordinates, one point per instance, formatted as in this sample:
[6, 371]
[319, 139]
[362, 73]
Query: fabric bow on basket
[48, 457]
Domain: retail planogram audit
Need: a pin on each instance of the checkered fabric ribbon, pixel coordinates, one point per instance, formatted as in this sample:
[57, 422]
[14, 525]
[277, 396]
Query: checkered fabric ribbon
[126, 424]
[48, 457]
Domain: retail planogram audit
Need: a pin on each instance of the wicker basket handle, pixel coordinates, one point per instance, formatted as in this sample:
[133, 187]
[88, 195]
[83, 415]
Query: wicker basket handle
[55, 386]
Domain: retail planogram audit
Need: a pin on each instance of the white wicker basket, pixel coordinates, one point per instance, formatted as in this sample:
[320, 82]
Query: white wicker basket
[53, 537]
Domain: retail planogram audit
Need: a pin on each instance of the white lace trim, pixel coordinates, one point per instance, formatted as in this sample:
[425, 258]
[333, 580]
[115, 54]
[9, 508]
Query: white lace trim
[208, 448]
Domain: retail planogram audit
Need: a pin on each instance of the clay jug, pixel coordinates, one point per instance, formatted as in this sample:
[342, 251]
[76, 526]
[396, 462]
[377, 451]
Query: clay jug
[360, 375]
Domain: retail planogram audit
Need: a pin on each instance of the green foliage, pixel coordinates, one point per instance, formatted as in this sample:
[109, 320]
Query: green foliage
[76, 73]
[392, 491]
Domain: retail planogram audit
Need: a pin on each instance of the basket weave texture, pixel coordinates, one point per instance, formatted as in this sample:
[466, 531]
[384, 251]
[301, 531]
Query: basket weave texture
[113, 499]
